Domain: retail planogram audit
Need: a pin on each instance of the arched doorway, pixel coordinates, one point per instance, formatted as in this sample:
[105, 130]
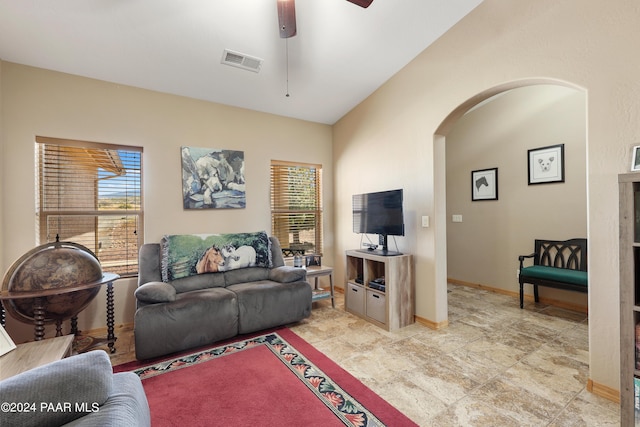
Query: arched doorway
[515, 190]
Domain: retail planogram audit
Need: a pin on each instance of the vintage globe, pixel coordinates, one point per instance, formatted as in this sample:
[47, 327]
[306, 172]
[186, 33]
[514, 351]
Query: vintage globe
[52, 271]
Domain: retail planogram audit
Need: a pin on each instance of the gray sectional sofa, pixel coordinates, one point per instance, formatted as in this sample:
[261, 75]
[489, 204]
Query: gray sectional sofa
[80, 390]
[188, 312]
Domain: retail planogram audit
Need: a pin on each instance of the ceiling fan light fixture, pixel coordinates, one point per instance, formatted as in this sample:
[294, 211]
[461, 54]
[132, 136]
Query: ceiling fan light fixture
[361, 3]
[286, 18]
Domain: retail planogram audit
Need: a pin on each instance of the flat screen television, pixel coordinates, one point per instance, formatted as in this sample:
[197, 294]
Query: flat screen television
[379, 213]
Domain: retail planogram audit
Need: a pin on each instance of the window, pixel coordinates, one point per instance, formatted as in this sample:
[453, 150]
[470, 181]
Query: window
[296, 207]
[91, 194]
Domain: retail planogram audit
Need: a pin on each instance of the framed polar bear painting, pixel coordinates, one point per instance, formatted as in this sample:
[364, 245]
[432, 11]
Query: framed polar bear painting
[212, 178]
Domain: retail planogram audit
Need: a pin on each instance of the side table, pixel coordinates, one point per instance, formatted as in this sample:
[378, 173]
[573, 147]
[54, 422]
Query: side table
[35, 353]
[320, 293]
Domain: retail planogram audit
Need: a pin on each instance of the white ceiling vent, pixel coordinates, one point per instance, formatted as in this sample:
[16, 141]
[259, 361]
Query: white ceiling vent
[240, 60]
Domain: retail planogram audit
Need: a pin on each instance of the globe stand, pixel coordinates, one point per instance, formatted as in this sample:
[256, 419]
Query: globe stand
[39, 304]
[52, 283]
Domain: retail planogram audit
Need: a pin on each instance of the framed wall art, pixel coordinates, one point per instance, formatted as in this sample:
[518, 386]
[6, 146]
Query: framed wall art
[635, 158]
[212, 178]
[546, 164]
[484, 184]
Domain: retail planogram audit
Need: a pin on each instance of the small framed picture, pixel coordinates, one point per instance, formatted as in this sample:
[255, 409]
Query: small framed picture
[484, 184]
[635, 158]
[546, 164]
[6, 343]
[313, 260]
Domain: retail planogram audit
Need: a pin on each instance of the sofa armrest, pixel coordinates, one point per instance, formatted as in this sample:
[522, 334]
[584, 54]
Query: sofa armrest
[287, 274]
[58, 391]
[155, 292]
[126, 406]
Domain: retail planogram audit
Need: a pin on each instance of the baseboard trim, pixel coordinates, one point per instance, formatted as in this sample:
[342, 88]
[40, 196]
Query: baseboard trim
[431, 325]
[485, 287]
[529, 298]
[103, 331]
[603, 391]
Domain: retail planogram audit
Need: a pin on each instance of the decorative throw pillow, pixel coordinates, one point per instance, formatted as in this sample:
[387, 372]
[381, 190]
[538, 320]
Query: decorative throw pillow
[155, 292]
[189, 254]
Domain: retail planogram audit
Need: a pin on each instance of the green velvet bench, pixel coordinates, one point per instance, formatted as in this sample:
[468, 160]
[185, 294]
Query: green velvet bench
[560, 264]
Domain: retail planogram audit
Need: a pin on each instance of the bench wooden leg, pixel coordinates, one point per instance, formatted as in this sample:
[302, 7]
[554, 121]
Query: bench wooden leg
[521, 295]
[535, 293]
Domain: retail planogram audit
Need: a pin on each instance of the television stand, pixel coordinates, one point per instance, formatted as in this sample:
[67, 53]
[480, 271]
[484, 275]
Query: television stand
[390, 307]
[379, 252]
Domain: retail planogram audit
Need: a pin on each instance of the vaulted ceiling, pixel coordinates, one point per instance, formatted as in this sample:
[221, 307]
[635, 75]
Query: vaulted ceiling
[340, 55]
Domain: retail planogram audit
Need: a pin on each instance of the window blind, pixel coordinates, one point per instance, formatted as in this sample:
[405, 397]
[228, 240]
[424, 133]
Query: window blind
[91, 194]
[296, 206]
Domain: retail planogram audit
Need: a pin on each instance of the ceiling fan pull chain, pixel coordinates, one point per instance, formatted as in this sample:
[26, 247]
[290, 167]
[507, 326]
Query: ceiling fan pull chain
[287, 48]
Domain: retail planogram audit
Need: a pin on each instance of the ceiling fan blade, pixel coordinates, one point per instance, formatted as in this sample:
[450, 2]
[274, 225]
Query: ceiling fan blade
[361, 3]
[287, 18]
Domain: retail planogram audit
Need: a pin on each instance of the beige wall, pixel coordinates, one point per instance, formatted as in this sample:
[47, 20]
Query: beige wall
[40, 102]
[484, 248]
[391, 139]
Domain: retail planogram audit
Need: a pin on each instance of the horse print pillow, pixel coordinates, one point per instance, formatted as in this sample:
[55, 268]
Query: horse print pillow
[189, 254]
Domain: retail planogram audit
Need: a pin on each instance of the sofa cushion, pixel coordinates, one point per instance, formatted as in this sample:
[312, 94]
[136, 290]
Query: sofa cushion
[199, 281]
[189, 254]
[565, 275]
[81, 381]
[194, 319]
[250, 274]
[155, 292]
[266, 304]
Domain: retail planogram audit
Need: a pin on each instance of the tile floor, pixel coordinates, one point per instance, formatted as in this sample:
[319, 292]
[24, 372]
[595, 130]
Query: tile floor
[494, 365]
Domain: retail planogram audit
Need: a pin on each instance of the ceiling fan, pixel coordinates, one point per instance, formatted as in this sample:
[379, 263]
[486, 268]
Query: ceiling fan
[287, 15]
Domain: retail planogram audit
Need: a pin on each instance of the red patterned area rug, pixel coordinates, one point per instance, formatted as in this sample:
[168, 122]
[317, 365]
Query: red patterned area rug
[275, 379]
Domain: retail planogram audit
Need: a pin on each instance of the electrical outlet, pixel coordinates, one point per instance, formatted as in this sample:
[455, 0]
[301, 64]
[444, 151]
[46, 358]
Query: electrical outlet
[425, 221]
[518, 274]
